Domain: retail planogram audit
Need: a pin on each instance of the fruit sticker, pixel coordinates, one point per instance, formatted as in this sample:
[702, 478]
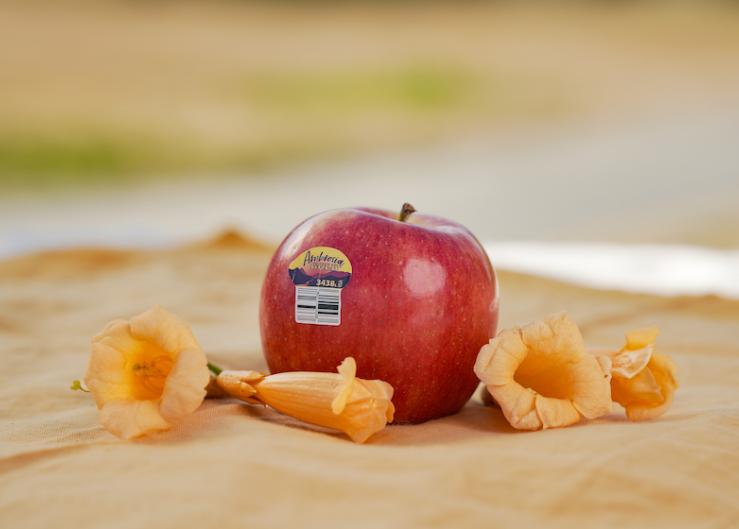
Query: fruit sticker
[321, 266]
[319, 275]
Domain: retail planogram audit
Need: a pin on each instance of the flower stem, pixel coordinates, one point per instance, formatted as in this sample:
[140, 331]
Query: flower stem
[77, 386]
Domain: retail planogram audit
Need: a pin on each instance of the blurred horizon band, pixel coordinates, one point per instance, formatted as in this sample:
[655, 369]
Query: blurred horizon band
[119, 92]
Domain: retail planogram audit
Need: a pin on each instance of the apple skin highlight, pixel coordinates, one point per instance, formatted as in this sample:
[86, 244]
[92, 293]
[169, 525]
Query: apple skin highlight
[421, 302]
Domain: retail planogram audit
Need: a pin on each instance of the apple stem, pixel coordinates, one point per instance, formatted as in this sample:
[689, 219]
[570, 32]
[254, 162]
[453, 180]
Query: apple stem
[405, 211]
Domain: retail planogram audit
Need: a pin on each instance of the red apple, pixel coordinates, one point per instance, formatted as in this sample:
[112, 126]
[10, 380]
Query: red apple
[411, 297]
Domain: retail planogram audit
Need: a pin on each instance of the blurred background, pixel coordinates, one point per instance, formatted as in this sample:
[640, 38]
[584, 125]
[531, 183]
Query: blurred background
[595, 141]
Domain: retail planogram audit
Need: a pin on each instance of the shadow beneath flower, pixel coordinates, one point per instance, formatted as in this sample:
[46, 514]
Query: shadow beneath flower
[206, 421]
[271, 416]
[474, 422]
[620, 417]
[267, 416]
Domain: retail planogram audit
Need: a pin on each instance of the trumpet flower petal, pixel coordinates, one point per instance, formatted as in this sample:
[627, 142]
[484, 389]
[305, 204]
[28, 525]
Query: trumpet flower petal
[146, 373]
[644, 381]
[541, 376]
[340, 401]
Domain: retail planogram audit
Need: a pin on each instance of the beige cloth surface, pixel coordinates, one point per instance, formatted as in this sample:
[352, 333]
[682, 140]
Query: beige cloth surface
[235, 465]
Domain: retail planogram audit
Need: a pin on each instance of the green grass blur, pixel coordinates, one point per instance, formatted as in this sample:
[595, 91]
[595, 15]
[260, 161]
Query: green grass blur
[308, 115]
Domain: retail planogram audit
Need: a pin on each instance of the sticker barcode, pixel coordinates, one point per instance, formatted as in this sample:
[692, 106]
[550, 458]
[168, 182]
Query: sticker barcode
[318, 305]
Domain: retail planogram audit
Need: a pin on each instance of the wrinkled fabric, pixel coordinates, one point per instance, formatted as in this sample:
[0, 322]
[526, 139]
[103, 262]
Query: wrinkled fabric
[235, 465]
